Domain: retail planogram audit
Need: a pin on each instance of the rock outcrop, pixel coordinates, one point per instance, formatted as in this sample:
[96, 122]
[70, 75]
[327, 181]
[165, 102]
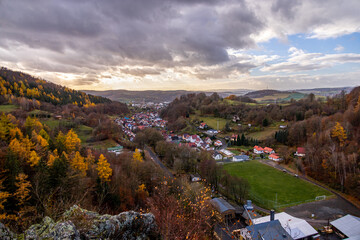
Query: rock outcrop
[78, 223]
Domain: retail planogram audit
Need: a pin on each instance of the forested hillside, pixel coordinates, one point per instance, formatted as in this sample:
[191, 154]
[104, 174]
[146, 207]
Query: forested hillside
[20, 84]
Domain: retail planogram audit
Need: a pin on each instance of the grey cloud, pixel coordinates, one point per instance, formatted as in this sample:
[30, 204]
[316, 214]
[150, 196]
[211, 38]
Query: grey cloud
[285, 8]
[140, 72]
[147, 31]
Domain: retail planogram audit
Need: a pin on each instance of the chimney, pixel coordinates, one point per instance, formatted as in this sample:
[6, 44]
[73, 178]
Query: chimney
[249, 205]
[272, 215]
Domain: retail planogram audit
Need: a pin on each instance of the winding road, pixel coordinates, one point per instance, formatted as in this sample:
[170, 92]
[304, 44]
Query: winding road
[155, 158]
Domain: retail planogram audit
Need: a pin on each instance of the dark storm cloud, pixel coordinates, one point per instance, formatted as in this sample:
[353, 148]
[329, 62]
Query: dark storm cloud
[127, 32]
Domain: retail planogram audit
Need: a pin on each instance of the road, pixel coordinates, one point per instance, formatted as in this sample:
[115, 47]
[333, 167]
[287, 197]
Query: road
[155, 158]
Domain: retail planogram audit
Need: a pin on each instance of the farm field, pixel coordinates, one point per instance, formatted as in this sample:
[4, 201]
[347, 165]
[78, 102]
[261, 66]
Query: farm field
[212, 121]
[8, 108]
[267, 182]
[267, 132]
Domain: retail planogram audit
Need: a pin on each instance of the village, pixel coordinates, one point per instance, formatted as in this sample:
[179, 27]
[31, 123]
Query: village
[234, 221]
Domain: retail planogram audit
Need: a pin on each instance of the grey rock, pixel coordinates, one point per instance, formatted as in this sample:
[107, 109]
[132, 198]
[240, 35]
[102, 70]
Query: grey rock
[5, 233]
[78, 223]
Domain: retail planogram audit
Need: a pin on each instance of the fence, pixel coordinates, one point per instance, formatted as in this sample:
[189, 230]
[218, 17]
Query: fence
[269, 204]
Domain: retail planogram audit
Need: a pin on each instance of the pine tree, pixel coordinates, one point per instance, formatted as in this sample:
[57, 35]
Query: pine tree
[339, 133]
[104, 169]
[78, 164]
[34, 159]
[72, 141]
[137, 157]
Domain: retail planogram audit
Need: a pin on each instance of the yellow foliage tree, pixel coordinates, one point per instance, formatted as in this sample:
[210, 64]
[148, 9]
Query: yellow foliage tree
[33, 124]
[78, 164]
[22, 193]
[34, 159]
[72, 141]
[16, 133]
[339, 133]
[3, 198]
[137, 157]
[104, 169]
[52, 157]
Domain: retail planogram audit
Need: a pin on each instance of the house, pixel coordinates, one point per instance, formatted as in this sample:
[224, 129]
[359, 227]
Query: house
[226, 210]
[227, 153]
[194, 138]
[211, 132]
[203, 125]
[218, 143]
[282, 126]
[274, 157]
[117, 150]
[300, 152]
[269, 150]
[208, 140]
[240, 158]
[297, 228]
[265, 231]
[217, 156]
[195, 177]
[347, 227]
[258, 150]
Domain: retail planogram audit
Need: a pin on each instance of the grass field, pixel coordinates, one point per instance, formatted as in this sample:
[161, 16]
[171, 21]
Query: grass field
[8, 108]
[267, 182]
[212, 121]
[267, 132]
[84, 132]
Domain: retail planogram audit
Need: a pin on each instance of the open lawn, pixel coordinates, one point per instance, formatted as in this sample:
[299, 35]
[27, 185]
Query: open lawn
[84, 132]
[212, 121]
[102, 144]
[8, 108]
[267, 132]
[268, 184]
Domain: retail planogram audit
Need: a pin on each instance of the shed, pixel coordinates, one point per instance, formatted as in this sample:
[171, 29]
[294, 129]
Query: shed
[240, 158]
[349, 226]
[226, 210]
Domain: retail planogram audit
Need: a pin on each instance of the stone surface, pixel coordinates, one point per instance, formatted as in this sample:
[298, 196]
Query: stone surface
[78, 223]
[5, 233]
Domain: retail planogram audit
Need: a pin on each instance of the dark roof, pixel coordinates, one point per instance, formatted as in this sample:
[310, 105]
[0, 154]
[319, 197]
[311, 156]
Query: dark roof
[222, 205]
[268, 231]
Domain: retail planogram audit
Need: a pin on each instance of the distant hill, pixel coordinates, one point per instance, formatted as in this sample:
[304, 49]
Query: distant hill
[139, 96]
[326, 92]
[264, 93]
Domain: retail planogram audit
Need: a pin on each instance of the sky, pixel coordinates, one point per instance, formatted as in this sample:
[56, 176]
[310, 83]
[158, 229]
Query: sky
[183, 44]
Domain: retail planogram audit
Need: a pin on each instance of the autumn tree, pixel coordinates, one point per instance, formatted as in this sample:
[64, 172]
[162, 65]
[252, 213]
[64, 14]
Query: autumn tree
[339, 133]
[72, 141]
[104, 169]
[137, 156]
[78, 163]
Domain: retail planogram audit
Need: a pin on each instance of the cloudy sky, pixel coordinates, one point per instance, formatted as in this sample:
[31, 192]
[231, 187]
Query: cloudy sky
[183, 44]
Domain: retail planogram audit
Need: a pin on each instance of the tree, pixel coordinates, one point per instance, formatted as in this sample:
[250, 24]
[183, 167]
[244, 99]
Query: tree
[4, 195]
[339, 133]
[104, 169]
[77, 163]
[72, 141]
[137, 157]
[34, 159]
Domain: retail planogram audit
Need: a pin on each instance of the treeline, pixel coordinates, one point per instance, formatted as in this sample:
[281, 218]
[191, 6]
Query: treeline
[21, 84]
[331, 142]
[244, 141]
[257, 115]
